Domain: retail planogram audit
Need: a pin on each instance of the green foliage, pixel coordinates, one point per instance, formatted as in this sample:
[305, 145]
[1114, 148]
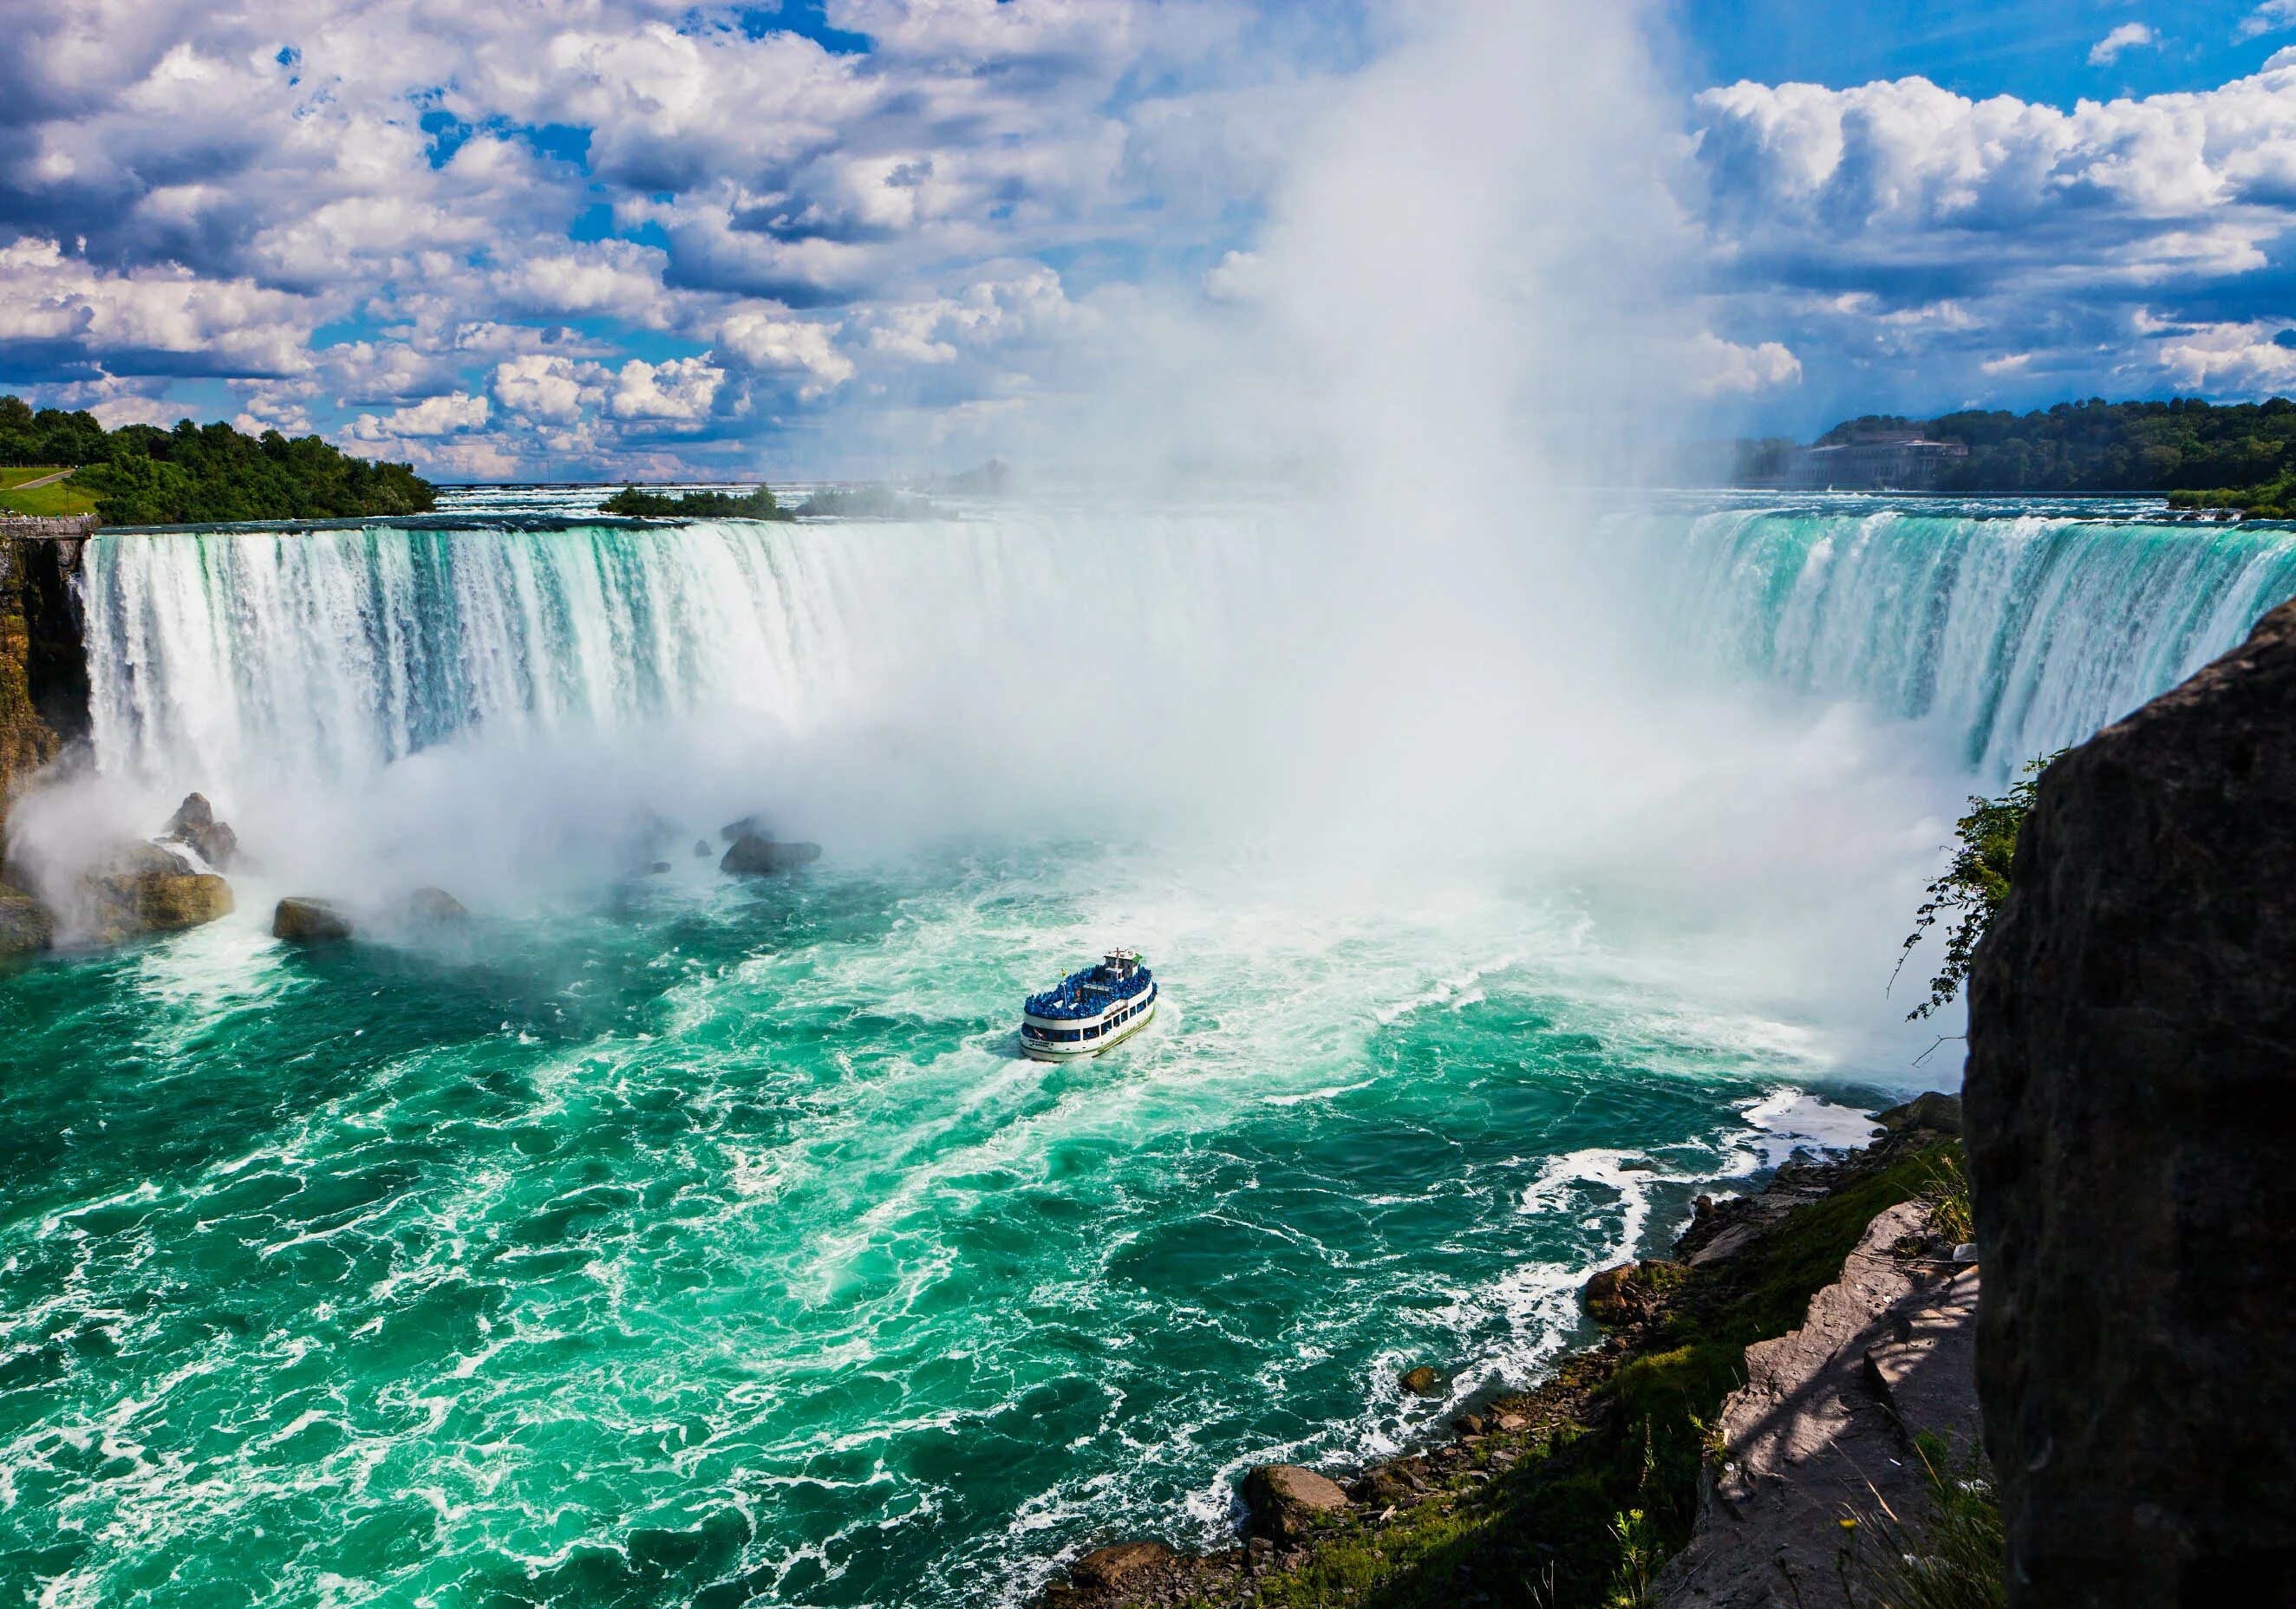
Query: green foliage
[141, 475]
[58, 497]
[1974, 884]
[759, 504]
[1955, 1558]
[2181, 445]
[1947, 1195]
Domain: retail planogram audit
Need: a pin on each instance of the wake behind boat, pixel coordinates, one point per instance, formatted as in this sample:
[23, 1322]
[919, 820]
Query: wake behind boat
[1087, 1011]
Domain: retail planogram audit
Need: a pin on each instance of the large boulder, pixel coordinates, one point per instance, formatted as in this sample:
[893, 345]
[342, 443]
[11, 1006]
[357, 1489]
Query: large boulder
[755, 855]
[194, 824]
[1287, 1502]
[145, 889]
[2131, 1104]
[301, 920]
[25, 927]
[432, 906]
[1119, 1564]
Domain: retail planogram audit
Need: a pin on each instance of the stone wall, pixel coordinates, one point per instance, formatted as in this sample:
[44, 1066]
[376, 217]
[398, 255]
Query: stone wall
[2131, 1126]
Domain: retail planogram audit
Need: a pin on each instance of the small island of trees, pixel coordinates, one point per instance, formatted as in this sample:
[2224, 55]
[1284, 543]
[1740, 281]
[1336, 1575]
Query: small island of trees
[759, 504]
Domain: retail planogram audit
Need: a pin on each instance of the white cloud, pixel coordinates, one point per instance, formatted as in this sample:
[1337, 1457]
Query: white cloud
[2270, 18]
[1714, 367]
[682, 388]
[448, 415]
[165, 314]
[761, 341]
[545, 389]
[2127, 37]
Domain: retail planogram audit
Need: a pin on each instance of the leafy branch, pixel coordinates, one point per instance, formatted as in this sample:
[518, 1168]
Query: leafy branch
[1971, 891]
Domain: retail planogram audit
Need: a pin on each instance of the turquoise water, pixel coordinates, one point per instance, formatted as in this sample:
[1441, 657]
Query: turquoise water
[712, 1244]
[659, 1241]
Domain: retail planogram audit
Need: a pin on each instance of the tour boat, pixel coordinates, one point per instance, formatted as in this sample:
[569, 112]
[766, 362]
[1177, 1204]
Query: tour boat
[1087, 1011]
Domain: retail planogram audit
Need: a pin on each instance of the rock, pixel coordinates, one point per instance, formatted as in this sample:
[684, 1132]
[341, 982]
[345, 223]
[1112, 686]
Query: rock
[657, 867]
[194, 824]
[1469, 1425]
[1823, 1425]
[1109, 1568]
[1939, 1114]
[701, 850]
[146, 888]
[754, 826]
[2131, 1097]
[302, 920]
[434, 905]
[26, 928]
[1631, 1292]
[1510, 1422]
[752, 856]
[1287, 1502]
[1421, 1382]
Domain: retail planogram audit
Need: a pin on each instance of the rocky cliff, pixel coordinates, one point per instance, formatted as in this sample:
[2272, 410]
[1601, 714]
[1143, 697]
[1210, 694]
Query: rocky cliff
[43, 688]
[2131, 1099]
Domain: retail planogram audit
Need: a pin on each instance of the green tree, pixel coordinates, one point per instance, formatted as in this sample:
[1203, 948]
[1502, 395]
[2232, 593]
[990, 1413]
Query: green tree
[1971, 891]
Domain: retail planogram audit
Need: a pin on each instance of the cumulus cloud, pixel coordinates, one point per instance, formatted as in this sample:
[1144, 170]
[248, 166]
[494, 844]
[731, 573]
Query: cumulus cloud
[447, 415]
[682, 388]
[761, 341]
[1714, 367]
[2127, 37]
[542, 388]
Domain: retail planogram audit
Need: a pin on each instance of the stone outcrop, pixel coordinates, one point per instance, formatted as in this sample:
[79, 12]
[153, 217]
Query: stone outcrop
[1287, 1501]
[26, 928]
[2131, 1096]
[756, 855]
[195, 824]
[1114, 1568]
[146, 888]
[1821, 1430]
[430, 906]
[301, 920]
[44, 691]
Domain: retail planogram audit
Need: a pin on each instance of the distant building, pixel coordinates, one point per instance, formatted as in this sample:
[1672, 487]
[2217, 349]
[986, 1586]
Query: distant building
[1876, 462]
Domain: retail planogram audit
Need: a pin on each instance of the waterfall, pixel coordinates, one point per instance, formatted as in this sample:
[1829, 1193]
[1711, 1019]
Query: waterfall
[214, 655]
[332, 653]
[2016, 634]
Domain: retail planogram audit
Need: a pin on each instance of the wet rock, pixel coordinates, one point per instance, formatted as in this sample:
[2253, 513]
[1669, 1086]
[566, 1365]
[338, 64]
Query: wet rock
[1422, 1381]
[194, 824]
[753, 856]
[1287, 1502]
[1937, 1113]
[434, 905]
[1108, 1569]
[701, 850]
[2131, 1097]
[145, 889]
[1469, 1425]
[303, 920]
[26, 928]
[657, 868]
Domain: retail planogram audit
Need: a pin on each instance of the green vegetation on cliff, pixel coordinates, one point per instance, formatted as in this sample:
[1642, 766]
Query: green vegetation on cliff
[1971, 889]
[759, 504]
[2180, 445]
[142, 475]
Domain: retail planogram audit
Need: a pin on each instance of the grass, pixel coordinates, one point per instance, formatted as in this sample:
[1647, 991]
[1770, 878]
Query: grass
[56, 498]
[1584, 1516]
[1955, 1558]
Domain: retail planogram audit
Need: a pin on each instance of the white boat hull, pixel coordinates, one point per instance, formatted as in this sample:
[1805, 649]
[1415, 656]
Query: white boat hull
[1064, 1050]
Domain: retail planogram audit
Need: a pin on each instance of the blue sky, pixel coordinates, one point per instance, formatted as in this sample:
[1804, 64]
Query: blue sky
[649, 238]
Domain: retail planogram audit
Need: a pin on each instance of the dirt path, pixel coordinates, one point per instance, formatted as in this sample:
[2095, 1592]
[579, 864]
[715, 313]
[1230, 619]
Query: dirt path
[45, 480]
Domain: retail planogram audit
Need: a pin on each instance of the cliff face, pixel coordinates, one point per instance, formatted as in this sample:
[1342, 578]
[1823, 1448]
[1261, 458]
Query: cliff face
[2131, 1102]
[43, 688]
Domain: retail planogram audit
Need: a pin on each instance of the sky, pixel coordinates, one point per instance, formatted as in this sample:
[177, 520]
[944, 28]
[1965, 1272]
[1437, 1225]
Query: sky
[608, 239]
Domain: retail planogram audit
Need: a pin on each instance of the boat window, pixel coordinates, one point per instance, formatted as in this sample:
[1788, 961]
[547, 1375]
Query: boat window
[1092, 1032]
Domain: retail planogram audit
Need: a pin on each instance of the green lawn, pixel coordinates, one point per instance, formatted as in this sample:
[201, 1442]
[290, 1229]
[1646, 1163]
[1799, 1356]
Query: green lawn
[58, 497]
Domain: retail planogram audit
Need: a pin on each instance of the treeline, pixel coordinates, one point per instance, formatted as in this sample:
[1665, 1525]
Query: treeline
[2102, 446]
[142, 474]
[759, 504]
